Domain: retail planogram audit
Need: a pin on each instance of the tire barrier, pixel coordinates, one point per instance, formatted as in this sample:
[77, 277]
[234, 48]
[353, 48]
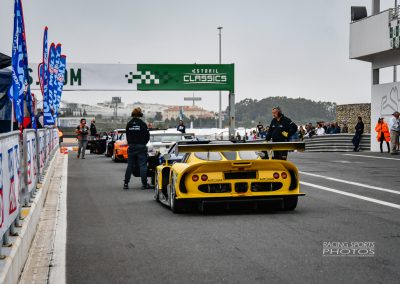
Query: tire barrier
[24, 160]
[336, 143]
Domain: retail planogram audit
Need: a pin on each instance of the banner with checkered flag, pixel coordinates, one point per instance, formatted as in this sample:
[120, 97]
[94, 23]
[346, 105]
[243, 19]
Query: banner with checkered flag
[394, 28]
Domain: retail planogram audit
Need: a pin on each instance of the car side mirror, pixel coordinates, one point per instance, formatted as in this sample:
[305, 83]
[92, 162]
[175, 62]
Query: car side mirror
[167, 157]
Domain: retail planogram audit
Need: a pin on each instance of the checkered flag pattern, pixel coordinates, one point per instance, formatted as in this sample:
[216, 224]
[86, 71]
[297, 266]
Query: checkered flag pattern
[394, 27]
[143, 77]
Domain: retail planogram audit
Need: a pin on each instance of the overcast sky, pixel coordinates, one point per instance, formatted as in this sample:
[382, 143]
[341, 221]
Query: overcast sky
[280, 48]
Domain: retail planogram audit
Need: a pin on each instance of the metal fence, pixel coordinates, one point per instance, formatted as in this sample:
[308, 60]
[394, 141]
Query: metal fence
[24, 160]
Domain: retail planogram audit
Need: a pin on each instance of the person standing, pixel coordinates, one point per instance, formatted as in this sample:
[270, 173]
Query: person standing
[238, 137]
[259, 128]
[137, 135]
[394, 125]
[357, 136]
[383, 133]
[181, 127]
[82, 130]
[280, 130]
[320, 130]
[93, 129]
[302, 133]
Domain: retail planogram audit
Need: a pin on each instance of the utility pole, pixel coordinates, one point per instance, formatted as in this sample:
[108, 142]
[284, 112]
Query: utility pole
[220, 96]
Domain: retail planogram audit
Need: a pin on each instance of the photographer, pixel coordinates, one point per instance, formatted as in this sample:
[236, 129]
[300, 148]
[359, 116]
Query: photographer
[82, 130]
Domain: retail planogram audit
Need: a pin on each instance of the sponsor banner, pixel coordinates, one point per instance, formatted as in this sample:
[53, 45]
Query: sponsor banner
[16, 92]
[144, 77]
[47, 146]
[60, 84]
[41, 150]
[48, 102]
[10, 175]
[30, 159]
[385, 100]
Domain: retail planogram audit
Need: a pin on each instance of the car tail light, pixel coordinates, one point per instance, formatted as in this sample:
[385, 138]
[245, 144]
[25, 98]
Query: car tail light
[284, 175]
[276, 175]
[195, 178]
[204, 177]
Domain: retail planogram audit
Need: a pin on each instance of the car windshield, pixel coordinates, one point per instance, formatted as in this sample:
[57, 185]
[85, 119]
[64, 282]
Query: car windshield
[165, 138]
[248, 155]
[122, 136]
[211, 156]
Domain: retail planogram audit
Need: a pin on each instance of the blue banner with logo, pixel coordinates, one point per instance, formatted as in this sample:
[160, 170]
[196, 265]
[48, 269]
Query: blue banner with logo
[28, 95]
[43, 68]
[48, 101]
[55, 79]
[16, 92]
[60, 83]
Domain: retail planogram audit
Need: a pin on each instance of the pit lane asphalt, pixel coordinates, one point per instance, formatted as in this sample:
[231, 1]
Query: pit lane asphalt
[116, 236]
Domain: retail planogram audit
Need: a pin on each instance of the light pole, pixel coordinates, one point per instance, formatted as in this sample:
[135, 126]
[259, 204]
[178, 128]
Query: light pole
[220, 98]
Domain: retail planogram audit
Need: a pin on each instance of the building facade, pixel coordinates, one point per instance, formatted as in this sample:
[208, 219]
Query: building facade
[188, 111]
[375, 38]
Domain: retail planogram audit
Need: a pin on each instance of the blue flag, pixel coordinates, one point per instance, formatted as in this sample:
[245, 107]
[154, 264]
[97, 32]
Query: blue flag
[43, 69]
[60, 83]
[48, 101]
[28, 95]
[16, 92]
[56, 71]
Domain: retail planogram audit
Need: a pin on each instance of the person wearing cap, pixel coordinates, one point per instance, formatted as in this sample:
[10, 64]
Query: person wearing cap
[280, 130]
[382, 130]
[394, 125]
[137, 135]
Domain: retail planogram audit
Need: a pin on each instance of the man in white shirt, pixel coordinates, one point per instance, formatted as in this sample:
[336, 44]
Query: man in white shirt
[320, 130]
[394, 125]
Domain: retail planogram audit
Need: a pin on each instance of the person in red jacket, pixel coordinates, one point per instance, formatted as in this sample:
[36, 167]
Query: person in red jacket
[383, 133]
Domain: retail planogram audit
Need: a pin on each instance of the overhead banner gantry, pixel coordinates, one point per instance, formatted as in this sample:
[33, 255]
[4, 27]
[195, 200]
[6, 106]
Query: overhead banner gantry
[149, 77]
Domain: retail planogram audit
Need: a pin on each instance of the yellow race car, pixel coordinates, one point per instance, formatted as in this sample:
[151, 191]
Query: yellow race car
[197, 173]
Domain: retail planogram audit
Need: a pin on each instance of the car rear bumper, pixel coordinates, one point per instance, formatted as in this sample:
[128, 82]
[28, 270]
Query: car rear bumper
[242, 199]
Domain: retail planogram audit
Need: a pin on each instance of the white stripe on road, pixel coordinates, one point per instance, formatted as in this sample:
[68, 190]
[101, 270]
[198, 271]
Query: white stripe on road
[393, 205]
[57, 273]
[374, 157]
[353, 183]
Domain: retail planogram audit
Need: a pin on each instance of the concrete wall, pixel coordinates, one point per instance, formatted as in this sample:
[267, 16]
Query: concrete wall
[349, 113]
[385, 99]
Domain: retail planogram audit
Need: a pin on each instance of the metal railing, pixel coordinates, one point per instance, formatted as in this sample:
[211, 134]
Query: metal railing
[336, 143]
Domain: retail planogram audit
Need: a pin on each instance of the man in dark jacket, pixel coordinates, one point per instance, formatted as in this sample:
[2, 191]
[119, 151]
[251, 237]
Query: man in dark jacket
[280, 130]
[137, 136]
[93, 129]
[357, 136]
[181, 127]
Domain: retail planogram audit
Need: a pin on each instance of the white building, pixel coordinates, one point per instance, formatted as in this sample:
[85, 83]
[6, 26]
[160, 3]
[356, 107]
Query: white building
[375, 38]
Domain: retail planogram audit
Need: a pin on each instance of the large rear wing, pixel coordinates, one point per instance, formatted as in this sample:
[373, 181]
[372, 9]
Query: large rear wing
[259, 146]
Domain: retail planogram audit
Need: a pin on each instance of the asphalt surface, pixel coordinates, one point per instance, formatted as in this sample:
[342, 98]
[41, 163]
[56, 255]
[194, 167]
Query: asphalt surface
[117, 236]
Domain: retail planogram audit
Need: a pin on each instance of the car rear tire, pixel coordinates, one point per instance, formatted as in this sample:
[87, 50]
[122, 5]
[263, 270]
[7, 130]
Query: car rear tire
[156, 189]
[290, 203]
[175, 204]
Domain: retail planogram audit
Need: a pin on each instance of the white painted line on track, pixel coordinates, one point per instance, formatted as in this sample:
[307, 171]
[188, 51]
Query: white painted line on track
[58, 270]
[373, 157]
[352, 183]
[381, 202]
